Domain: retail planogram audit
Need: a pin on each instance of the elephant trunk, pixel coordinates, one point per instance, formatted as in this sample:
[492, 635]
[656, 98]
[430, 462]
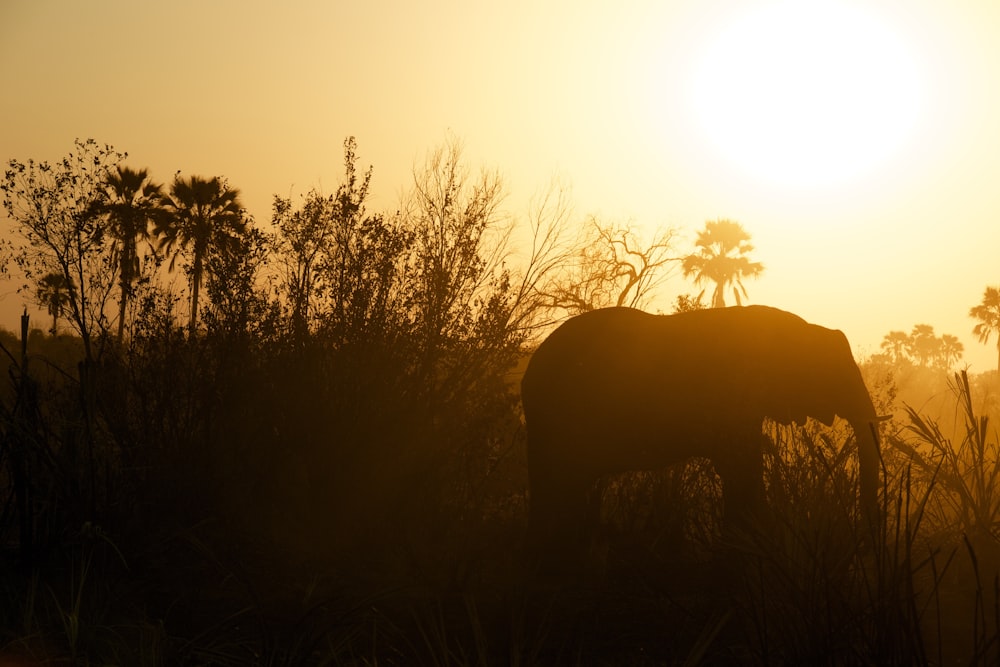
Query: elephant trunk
[865, 425]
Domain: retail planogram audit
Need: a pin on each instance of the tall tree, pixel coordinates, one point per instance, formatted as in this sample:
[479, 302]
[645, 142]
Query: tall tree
[988, 314]
[460, 242]
[55, 292]
[203, 216]
[327, 246]
[131, 202]
[923, 346]
[896, 343]
[721, 258]
[57, 230]
[950, 351]
[303, 235]
[613, 267]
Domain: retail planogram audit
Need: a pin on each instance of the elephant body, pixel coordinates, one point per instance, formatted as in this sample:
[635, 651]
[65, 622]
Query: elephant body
[617, 389]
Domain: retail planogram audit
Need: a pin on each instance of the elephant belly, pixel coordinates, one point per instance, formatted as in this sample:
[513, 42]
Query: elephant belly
[658, 443]
[639, 442]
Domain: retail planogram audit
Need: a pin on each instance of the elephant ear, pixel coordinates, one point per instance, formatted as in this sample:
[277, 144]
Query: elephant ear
[812, 368]
[840, 378]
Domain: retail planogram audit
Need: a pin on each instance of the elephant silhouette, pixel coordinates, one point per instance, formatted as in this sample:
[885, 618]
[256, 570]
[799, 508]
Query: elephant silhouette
[618, 389]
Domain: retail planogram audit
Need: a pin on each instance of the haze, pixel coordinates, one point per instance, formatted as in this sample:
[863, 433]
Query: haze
[878, 237]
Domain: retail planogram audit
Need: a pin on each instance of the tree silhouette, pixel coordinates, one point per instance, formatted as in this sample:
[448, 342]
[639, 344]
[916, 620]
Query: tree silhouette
[204, 216]
[613, 267]
[459, 243]
[131, 201]
[721, 258]
[551, 250]
[950, 350]
[327, 250]
[896, 343]
[923, 345]
[988, 314]
[56, 293]
[58, 231]
[303, 235]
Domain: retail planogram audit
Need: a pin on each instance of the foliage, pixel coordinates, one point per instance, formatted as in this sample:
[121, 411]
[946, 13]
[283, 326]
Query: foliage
[131, 202]
[302, 236]
[823, 586]
[55, 293]
[721, 258]
[923, 348]
[988, 314]
[324, 250]
[202, 218]
[966, 472]
[686, 303]
[241, 307]
[59, 231]
[461, 284]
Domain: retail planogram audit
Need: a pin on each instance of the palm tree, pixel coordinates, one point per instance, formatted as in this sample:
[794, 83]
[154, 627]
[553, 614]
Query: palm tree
[54, 291]
[923, 345]
[131, 201]
[951, 350]
[896, 343]
[722, 258]
[988, 314]
[204, 216]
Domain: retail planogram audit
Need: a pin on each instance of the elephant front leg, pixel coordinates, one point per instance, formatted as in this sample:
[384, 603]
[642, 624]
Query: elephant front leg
[742, 488]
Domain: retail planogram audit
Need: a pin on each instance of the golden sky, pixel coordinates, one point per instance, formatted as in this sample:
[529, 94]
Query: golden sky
[858, 142]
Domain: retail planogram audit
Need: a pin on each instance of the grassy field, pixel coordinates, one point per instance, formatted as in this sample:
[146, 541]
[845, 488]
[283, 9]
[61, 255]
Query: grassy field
[159, 536]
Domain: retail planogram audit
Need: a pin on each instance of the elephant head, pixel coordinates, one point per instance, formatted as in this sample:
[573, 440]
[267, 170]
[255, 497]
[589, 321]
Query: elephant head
[617, 389]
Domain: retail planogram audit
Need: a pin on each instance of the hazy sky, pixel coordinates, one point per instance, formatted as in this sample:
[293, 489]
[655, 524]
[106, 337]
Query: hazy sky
[858, 142]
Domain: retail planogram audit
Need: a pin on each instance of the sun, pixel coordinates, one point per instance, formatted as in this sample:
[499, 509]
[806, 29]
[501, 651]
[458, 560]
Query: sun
[806, 93]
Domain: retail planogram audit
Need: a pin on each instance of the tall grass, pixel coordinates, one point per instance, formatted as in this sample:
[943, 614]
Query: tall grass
[963, 465]
[966, 465]
[815, 588]
[811, 584]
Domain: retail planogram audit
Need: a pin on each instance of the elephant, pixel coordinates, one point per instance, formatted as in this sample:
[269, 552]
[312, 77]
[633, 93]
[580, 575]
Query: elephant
[618, 389]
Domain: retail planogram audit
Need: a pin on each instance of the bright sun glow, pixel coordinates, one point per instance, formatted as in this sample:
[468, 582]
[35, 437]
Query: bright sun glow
[807, 93]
